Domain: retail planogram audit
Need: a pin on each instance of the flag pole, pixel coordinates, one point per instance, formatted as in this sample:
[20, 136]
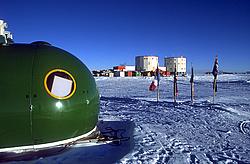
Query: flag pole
[174, 91]
[215, 73]
[214, 88]
[158, 93]
[192, 92]
[175, 84]
[158, 83]
[192, 84]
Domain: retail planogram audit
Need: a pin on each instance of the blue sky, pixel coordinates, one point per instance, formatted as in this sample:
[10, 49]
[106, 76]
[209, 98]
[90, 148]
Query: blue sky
[105, 33]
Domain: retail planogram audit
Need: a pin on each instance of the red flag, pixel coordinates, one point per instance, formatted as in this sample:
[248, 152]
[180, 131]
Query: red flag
[153, 85]
[156, 81]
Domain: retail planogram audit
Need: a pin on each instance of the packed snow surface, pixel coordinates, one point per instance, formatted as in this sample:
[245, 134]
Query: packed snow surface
[166, 132]
[182, 132]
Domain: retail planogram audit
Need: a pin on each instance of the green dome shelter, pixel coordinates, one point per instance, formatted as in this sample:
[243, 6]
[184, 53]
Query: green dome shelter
[48, 97]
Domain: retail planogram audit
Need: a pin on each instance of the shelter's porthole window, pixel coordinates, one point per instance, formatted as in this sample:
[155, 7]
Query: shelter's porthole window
[60, 84]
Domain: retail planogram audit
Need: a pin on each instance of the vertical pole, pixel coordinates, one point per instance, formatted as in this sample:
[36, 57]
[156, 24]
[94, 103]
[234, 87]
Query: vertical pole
[215, 73]
[158, 82]
[214, 88]
[192, 84]
[175, 84]
[158, 92]
[174, 91]
[192, 92]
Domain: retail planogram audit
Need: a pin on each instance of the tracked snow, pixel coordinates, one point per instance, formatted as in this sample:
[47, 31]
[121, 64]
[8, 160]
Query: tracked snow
[167, 132]
[182, 132]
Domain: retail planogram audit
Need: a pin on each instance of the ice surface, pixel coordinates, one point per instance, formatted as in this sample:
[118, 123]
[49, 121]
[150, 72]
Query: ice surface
[167, 132]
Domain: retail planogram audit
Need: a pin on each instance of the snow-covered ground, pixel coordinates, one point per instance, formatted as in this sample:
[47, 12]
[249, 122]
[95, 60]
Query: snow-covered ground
[167, 132]
[182, 132]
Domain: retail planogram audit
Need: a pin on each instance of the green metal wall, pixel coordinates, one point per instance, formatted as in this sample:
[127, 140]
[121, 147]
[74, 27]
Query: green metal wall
[29, 115]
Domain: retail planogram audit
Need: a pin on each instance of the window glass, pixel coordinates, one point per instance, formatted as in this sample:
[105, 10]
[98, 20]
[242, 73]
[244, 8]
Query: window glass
[60, 84]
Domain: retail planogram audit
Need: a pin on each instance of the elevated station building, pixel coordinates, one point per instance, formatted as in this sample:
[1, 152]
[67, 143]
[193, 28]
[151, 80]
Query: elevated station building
[179, 62]
[146, 63]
